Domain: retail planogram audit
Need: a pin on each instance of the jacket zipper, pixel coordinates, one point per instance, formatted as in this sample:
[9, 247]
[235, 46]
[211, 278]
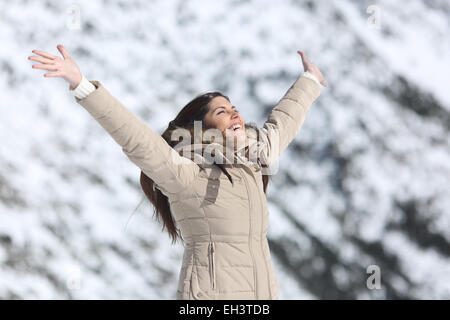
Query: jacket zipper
[211, 265]
[262, 251]
[250, 239]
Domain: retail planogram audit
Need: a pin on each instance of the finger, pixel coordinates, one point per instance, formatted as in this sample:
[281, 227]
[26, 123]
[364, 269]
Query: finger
[39, 59]
[63, 51]
[322, 77]
[53, 74]
[44, 66]
[303, 55]
[323, 83]
[304, 59]
[44, 54]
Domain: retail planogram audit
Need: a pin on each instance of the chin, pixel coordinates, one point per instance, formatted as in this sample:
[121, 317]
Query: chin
[238, 137]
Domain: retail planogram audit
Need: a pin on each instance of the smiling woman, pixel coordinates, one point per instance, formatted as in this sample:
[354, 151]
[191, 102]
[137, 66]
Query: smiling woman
[217, 207]
[226, 118]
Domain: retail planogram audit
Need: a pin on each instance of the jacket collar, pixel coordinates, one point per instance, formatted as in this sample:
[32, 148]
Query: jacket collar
[209, 153]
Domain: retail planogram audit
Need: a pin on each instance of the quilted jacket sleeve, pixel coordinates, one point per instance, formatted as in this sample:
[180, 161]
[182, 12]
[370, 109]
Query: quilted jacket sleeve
[144, 147]
[287, 117]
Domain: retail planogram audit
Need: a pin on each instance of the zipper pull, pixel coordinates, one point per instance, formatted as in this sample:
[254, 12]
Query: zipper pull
[212, 265]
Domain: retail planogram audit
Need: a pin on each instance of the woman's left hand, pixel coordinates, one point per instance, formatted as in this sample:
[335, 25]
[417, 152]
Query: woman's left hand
[312, 68]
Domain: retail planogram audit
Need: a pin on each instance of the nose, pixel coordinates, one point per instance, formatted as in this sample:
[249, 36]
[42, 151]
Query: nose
[234, 118]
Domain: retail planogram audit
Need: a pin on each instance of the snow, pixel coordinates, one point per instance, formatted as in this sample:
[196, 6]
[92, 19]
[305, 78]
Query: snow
[67, 191]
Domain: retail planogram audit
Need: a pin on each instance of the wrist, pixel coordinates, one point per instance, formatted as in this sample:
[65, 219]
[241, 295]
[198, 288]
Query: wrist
[76, 83]
[310, 75]
[84, 88]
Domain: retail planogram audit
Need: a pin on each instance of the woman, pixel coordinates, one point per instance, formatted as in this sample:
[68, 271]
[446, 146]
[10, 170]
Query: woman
[213, 189]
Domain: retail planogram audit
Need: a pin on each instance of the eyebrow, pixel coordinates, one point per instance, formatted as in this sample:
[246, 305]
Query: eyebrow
[223, 107]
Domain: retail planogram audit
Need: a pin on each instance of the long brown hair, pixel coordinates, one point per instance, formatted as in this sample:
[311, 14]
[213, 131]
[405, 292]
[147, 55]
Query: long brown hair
[195, 110]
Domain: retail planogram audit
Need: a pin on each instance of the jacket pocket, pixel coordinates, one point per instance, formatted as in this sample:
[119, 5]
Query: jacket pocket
[212, 270]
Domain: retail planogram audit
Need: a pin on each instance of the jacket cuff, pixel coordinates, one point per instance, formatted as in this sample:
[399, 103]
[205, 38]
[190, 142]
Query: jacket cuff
[83, 89]
[306, 83]
[311, 76]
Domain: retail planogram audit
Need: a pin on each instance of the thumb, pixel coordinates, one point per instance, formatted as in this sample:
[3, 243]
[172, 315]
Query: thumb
[304, 59]
[63, 51]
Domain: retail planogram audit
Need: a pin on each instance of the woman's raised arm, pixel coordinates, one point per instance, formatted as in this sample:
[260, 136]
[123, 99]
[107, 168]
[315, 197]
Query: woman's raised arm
[288, 115]
[144, 147]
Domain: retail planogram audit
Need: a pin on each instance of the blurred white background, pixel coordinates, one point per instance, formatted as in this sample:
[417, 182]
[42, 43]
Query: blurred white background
[366, 181]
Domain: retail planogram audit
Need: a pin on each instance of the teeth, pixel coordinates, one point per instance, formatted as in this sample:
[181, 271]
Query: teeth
[234, 127]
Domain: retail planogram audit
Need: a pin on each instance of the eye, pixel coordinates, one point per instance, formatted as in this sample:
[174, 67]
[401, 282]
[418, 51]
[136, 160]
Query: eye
[220, 112]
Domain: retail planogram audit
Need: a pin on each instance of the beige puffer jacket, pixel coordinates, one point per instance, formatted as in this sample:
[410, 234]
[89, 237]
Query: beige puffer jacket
[224, 223]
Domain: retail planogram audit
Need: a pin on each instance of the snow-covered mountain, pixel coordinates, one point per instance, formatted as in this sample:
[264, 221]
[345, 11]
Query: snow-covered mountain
[365, 183]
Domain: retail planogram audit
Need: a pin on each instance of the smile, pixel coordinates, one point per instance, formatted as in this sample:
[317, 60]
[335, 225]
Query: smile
[235, 126]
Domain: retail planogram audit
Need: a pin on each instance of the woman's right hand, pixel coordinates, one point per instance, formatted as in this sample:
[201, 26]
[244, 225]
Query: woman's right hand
[312, 68]
[65, 68]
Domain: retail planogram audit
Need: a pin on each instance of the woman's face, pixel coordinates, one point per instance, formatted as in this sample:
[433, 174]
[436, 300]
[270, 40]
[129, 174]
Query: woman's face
[223, 116]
